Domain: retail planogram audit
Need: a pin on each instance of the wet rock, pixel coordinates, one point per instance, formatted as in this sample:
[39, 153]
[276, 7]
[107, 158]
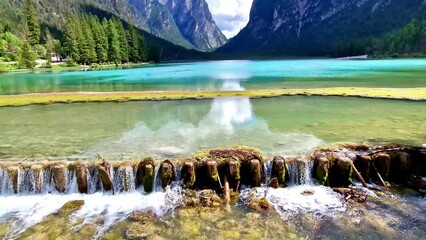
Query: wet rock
[340, 173]
[190, 198]
[308, 192]
[145, 174]
[188, 175]
[261, 205]
[142, 216]
[167, 173]
[234, 174]
[82, 178]
[321, 168]
[60, 175]
[352, 194]
[212, 174]
[279, 170]
[401, 167]
[363, 164]
[208, 198]
[273, 183]
[13, 173]
[71, 206]
[255, 172]
[418, 157]
[87, 231]
[417, 183]
[240, 153]
[104, 173]
[382, 162]
[138, 231]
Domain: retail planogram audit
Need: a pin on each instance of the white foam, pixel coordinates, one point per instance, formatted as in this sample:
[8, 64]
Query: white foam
[290, 201]
[26, 211]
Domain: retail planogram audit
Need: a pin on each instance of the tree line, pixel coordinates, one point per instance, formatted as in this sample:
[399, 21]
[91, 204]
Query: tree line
[409, 41]
[84, 40]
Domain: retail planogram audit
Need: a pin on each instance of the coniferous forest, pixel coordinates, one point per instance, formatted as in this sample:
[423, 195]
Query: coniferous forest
[84, 39]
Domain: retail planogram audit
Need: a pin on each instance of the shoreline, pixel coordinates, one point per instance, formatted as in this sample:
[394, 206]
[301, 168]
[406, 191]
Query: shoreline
[412, 94]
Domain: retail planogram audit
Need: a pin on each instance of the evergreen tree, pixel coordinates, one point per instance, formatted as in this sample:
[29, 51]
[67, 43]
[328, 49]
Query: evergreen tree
[124, 46]
[153, 54]
[87, 44]
[71, 44]
[27, 56]
[134, 45]
[143, 53]
[31, 23]
[50, 47]
[114, 52]
[101, 41]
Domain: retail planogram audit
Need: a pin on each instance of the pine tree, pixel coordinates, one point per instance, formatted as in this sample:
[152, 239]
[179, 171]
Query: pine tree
[71, 46]
[50, 47]
[88, 45]
[143, 52]
[124, 46]
[31, 23]
[114, 53]
[101, 41]
[27, 56]
[134, 46]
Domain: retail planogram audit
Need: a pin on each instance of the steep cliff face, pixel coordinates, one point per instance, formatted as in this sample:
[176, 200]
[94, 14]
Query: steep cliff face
[196, 23]
[312, 27]
[187, 23]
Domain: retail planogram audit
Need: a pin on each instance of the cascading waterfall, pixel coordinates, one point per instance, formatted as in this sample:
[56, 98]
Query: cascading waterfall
[300, 172]
[38, 179]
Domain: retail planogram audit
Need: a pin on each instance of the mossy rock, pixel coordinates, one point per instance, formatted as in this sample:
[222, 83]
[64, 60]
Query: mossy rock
[261, 205]
[71, 206]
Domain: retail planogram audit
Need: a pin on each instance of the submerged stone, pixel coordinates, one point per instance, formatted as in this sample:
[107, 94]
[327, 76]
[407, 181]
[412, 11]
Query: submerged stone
[138, 231]
[71, 206]
[142, 216]
[261, 205]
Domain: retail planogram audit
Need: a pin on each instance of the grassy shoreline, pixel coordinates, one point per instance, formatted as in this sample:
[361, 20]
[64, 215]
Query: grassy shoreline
[415, 94]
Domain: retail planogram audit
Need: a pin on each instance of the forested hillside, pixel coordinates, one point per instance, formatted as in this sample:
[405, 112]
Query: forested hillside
[83, 38]
[184, 23]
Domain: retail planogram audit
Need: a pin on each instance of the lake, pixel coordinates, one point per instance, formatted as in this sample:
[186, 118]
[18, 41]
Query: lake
[212, 76]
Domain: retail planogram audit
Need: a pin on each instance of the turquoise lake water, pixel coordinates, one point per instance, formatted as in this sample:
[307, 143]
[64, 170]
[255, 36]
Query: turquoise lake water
[213, 75]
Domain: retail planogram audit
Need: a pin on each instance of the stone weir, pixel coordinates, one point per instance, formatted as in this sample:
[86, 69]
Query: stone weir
[221, 169]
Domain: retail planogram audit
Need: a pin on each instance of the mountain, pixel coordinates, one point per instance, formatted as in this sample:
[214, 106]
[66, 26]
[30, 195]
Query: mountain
[196, 23]
[315, 27]
[187, 23]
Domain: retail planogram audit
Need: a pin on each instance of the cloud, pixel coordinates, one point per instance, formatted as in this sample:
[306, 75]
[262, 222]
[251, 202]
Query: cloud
[230, 15]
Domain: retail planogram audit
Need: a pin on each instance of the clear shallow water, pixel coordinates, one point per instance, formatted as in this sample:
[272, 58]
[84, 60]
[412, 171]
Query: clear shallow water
[284, 125]
[211, 75]
[321, 215]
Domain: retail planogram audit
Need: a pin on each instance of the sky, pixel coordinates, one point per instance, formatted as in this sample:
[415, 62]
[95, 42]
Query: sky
[230, 15]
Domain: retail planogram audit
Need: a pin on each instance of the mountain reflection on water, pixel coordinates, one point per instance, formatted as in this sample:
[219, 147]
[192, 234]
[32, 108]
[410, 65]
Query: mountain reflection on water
[230, 121]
